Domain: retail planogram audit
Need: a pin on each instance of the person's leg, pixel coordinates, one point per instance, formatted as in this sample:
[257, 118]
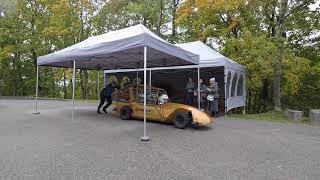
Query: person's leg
[211, 108]
[216, 109]
[102, 99]
[109, 102]
[217, 114]
[191, 99]
[203, 104]
[188, 98]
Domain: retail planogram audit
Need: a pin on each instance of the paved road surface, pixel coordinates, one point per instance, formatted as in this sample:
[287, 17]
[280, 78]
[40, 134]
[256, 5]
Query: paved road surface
[51, 146]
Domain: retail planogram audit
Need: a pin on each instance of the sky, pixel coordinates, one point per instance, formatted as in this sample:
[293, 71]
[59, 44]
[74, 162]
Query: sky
[315, 6]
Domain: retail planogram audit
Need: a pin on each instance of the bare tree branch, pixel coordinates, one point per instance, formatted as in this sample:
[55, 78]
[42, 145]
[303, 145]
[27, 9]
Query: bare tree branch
[296, 8]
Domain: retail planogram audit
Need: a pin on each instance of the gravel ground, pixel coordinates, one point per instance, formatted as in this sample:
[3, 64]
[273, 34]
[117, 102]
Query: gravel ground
[92, 146]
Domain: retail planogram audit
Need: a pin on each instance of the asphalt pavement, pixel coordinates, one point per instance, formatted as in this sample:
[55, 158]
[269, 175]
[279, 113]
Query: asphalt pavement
[53, 146]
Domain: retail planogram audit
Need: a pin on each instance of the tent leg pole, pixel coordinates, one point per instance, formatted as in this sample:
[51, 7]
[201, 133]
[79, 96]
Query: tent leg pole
[37, 88]
[104, 79]
[137, 81]
[244, 110]
[98, 85]
[150, 82]
[73, 85]
[145, 137]
[199, 107]
[225, 91]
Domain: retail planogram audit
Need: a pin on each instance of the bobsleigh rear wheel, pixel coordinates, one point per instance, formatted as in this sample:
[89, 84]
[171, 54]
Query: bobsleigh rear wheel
[125, 113]
[182, 120]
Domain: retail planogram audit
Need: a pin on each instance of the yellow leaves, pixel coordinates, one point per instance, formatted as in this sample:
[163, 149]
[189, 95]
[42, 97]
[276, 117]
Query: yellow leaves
[294, 69]
[256, 53]
[209, 18]
[185, 10]
[5, 52]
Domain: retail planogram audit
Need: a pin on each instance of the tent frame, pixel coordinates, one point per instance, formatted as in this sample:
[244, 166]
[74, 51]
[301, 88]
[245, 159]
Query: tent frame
[37, 89]
[144, 137]
[225, 68]
[118, 50]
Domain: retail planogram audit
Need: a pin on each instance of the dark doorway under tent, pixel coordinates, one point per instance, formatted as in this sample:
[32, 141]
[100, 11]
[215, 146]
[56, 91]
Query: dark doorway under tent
[174, 81]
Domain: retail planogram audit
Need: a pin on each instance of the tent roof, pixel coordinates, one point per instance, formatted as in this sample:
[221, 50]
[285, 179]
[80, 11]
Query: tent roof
[209, 56]
[121, 49]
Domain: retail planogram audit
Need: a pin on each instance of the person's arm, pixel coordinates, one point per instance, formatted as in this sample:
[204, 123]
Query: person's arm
[215, 88]
[192, 86]
[187, 86]
[204, 89]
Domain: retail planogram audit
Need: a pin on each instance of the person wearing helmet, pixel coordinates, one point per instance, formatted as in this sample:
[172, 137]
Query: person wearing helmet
[213, 97]
[163, 99]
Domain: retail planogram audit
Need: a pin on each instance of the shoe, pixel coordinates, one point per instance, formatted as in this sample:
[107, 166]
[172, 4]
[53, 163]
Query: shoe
[98, 111]
[105, 111]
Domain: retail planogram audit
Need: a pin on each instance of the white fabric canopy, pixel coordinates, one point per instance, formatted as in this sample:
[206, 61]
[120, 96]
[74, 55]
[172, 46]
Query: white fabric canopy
[132, 47]
[210, 57]
[120, 49]
[234, 73]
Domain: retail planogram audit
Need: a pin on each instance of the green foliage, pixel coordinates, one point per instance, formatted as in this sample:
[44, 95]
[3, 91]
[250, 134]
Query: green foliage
[117, 14]
[252, 33]
[248, 32]
[272, 116]
[256, 53]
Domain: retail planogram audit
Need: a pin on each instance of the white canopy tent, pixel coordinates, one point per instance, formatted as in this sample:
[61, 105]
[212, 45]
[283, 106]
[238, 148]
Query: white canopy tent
[234, 73]
[122, 49]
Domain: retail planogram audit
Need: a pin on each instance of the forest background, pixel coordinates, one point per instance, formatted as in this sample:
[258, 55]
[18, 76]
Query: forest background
[277, 40]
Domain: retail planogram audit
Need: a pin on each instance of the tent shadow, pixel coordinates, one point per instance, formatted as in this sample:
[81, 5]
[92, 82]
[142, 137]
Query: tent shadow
[190, 127]
[89, 114]
[201, 128]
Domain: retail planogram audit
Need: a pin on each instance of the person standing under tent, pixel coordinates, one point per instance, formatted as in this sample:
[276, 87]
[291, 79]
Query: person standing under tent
[203, 95]
[126, 82]
[106, 94]
[190, 92]
[213, 97]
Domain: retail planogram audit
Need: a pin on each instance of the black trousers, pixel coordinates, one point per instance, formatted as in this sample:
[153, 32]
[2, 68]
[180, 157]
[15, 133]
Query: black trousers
[189, 98]
[102, 100]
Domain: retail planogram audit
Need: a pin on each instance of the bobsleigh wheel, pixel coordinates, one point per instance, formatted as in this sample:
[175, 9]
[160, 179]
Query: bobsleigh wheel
[125, 113]
[182, 120]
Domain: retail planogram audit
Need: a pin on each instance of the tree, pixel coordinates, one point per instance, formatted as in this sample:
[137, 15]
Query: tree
[278, 23]
[280, 36]
[277, 40]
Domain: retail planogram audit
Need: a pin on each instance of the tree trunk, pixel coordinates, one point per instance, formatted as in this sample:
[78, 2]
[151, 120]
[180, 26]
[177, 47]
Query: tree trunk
[160, 18]
[279, 55]
[271, 27]
[249, 100]
[64, 84]
[86, 88]
[14, 68]
[53, 83]
[82, 84]
[174, 13]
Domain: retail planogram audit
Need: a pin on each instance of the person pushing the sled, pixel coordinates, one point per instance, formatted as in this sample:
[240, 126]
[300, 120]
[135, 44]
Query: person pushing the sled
[106, 94]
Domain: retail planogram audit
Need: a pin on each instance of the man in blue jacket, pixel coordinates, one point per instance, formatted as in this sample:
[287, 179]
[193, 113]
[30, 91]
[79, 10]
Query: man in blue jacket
[106, 94]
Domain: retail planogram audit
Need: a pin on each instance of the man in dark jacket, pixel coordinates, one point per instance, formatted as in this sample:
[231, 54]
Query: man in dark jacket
[106, 94]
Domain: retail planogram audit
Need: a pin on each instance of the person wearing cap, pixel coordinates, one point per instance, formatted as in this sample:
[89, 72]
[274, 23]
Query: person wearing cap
[213, 97]
[106, 94]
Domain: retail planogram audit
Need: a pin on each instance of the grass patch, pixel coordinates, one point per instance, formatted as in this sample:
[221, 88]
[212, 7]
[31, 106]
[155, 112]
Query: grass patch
[272, 116]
